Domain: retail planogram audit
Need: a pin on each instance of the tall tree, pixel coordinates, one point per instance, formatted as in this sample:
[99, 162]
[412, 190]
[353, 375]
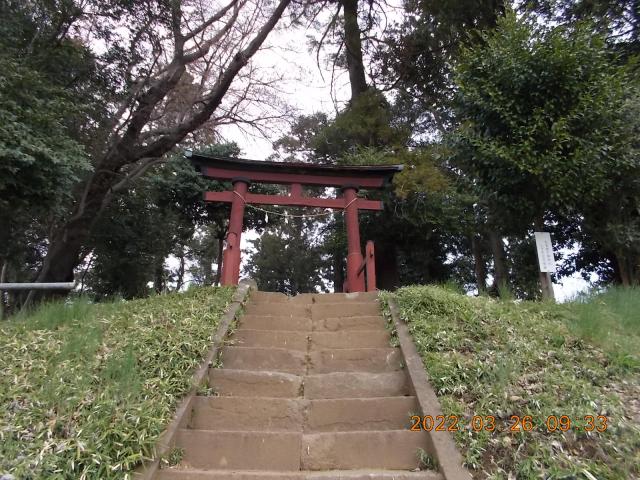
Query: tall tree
[162, 215]
[544, 132]
[617, 20]
[159, 51]
[416, 58]
[288, 258]
[47, 104]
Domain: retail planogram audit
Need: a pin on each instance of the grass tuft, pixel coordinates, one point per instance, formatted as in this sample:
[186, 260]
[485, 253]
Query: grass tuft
[500, 358]
[426, 461]
[611, 321]
[85, 390]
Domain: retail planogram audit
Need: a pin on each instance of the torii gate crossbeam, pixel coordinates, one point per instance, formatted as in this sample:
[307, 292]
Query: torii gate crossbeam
[349, 179]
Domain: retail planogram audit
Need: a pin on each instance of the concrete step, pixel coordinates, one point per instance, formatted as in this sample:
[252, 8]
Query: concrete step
[275, 322]
[340, 324]
[344, 309]
[356, 385]
[281, 414]
[178, 473]
[207, 449]
[257, 296]
[372, 475]
[357, 414]
[247, 383]
[350, 339]
[300, 340]
[317, 298]
[192, 474]
[290, 339]
[269, 359]
[388, 449]
[312, 298]
[283, 309]
[372, 360]
[345, 297]
[246, 414]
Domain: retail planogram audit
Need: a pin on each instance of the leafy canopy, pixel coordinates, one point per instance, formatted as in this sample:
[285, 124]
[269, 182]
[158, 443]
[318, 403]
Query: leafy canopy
[541, 125]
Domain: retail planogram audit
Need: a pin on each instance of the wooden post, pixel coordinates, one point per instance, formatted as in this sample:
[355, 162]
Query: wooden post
[546, 285]
[355, 282]
[231, 260]
[371, 266]
[3, 275]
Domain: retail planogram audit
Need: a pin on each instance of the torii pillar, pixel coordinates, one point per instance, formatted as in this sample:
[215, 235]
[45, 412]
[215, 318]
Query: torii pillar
[231, 258]
[355, 281]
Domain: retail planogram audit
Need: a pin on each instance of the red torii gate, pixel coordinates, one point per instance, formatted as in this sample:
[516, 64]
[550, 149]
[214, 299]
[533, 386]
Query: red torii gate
[349, 179]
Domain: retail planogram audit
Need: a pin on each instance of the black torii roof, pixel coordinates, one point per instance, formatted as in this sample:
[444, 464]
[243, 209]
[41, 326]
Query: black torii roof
[241, 165]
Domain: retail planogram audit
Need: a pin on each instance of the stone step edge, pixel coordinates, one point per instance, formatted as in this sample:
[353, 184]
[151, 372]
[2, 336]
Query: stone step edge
[304, 406]
[247, 348]
[266, 438]
[311, 332]
[315, 377]
[269, 315]
[305, 353]
[302, 399]
[311, 474]
[148, 468]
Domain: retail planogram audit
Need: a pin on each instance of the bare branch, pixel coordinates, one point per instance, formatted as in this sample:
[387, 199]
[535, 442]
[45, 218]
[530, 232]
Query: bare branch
[140, 168]
[221, 87]
[324, 35]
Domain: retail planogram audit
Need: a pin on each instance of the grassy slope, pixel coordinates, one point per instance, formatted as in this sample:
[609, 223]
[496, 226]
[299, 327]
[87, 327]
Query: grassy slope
[85, 390]
[487, 357]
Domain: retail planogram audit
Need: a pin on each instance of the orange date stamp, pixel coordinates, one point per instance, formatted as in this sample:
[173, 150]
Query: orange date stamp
[517, 423]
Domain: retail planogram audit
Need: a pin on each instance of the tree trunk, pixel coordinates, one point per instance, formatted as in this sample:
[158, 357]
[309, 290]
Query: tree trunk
[220, 256]
[158, 277]
[500, 272]
[480, 266]
[180, 279]
[387, 274]
[207, 268]
[546, 285]
[623, 269]
[353, 47]
[64, 253]
[338, 273]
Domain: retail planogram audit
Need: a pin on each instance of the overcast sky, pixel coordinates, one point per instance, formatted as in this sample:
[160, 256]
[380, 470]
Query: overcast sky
[306, 88]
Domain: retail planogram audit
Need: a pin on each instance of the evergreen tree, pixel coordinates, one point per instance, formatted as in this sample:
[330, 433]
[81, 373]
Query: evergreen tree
[545, 135]
[288, 258]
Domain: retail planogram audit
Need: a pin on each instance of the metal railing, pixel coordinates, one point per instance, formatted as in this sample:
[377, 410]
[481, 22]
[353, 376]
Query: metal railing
[30, 286]
[37, 286]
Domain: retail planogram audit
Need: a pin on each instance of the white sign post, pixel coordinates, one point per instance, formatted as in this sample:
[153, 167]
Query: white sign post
[546, 261]
[545, 252]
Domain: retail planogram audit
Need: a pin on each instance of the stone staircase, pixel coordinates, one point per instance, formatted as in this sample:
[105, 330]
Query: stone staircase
[309, 389]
